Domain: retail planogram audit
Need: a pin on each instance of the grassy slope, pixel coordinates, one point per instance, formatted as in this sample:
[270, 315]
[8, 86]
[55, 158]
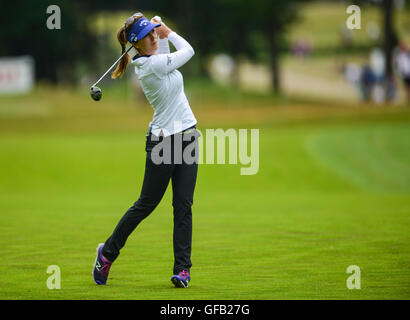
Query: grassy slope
[332, 191]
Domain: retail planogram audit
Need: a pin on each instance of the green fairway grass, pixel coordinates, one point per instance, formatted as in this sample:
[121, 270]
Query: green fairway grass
[333, 190]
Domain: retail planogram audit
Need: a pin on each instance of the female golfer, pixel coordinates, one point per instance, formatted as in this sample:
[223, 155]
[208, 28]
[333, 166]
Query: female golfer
[173, 121]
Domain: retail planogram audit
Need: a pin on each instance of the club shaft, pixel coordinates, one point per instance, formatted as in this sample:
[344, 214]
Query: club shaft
[112, 66]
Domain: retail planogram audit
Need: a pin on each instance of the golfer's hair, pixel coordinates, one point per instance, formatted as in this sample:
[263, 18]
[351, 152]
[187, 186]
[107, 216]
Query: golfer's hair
[122, 35]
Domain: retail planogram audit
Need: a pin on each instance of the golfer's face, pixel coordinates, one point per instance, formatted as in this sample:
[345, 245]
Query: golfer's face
[149, 44]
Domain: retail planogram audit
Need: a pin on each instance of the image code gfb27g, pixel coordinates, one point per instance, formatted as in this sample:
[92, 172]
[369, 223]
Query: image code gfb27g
[233, 159]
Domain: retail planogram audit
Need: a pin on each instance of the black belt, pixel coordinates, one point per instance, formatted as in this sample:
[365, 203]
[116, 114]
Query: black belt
[183, 131]
[149, 144]
[190, 128]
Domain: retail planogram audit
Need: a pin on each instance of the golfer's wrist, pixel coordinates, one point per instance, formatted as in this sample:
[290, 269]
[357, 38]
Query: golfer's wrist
[165, 34]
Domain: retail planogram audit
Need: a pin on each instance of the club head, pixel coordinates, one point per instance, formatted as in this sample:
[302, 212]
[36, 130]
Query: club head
[95, 93]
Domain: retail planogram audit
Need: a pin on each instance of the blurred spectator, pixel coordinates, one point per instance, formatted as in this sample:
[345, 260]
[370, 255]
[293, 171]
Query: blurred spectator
[301, 48]
[391, 89]
[403, 67]
[377, 63]
[368, 82]
[352, 73]
[377, 66]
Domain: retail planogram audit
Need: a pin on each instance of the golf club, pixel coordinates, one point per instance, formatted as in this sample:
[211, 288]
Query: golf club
[95, 91]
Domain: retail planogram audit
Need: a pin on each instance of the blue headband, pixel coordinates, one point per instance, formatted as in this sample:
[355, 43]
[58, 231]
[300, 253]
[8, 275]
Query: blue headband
[140, 29]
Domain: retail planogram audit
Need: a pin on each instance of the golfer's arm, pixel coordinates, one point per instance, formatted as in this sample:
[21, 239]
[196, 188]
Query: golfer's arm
[182, 55]
[163, 46]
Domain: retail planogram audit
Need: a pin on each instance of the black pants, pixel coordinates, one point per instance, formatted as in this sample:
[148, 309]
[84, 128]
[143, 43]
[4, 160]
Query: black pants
[183, 176]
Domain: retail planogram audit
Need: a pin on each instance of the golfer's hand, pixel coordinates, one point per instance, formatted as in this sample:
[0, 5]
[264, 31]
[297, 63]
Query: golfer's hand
[163, 31]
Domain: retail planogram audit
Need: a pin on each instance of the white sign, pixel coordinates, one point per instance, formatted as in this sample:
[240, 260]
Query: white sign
[16, 74]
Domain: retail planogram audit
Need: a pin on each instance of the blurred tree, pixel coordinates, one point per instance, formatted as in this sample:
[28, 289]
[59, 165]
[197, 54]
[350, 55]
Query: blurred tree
[236, 27]
[390, 42]
[232, 25]
[55, 51]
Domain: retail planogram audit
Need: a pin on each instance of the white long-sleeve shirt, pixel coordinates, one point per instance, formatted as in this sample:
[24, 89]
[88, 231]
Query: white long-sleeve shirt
[163, 85]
